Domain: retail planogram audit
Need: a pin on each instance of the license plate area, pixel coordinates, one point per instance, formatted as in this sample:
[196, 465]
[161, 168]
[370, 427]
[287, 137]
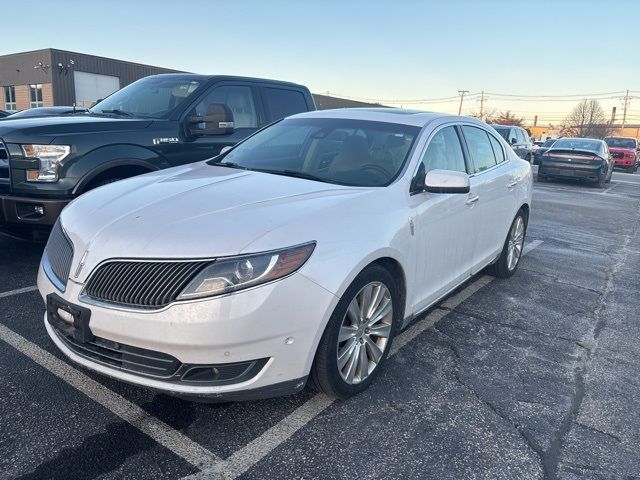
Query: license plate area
[68, 319]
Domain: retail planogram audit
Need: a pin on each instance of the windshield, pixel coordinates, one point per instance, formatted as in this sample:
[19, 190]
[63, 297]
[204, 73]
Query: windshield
[577, 144]
[342, 151]
[549, 142]
[620, 142]
[503, 131]
[151, 97]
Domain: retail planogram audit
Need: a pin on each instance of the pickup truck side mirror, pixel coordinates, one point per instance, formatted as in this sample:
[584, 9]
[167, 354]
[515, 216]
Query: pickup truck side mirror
[217, 121]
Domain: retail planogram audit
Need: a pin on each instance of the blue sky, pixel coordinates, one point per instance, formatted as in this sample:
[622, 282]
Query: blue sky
[371, 49]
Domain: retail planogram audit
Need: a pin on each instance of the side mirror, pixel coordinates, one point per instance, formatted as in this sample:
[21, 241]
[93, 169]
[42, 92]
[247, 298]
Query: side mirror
[217, 121]
[225, 149]
[446, 181]
[513, 141]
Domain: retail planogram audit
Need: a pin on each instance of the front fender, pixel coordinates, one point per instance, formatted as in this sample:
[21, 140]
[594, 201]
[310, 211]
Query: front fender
[86, 168]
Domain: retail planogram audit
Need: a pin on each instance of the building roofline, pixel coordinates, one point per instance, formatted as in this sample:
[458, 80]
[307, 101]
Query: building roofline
[59, 50]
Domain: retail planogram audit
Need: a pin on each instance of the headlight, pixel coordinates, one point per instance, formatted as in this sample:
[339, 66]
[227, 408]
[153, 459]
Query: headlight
[232, 274]
[49, 156]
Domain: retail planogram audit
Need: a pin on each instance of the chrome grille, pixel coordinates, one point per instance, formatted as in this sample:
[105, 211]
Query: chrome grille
[59, 254]
[138, 284]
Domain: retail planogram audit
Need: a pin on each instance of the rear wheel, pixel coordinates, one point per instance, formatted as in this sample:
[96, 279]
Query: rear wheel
[358, 336]
[542, 178]
[601, 181]
[528, 157]
[509, 258]
[609, 176]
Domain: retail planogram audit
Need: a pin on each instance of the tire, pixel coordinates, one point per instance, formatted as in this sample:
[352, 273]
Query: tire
[100, 183]
[528, 157]
[503, 268]
[326, 375]
[608, 180]
[601, 181]
[542, 178]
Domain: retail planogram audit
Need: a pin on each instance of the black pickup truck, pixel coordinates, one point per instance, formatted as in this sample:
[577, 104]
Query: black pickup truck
[154, 123]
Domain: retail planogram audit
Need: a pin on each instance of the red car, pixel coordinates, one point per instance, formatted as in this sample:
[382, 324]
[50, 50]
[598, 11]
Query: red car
[624, 151]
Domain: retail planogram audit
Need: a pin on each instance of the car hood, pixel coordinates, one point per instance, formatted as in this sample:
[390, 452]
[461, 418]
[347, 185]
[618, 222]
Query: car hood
[195, 211]
[45, 129]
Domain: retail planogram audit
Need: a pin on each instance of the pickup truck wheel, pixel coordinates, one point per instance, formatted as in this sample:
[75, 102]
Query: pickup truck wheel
[358, 336]
[509, 258]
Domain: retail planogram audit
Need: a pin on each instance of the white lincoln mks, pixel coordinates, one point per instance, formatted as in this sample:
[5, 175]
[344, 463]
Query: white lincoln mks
[295, 256]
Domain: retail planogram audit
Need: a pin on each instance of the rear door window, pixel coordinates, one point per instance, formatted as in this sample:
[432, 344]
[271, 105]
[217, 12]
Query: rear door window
[282, 102]
[497, 149]
[480, 148]
[519, 135]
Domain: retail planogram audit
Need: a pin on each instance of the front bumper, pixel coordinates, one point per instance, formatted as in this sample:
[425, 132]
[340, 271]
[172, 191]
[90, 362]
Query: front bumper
[624, 162]
[21, 215]
[281, 322]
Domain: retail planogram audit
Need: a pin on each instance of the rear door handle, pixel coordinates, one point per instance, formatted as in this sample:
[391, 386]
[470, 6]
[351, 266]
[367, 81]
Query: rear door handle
[512, 184]
[472, 199]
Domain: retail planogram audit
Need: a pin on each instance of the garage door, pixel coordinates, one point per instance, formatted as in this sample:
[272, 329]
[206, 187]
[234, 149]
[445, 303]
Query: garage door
[90, 87]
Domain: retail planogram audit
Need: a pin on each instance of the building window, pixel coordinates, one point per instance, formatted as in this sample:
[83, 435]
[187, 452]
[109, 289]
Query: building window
[36, 95]
[10, 98]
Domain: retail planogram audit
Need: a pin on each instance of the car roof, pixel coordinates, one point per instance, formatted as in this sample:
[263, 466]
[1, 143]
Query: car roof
[624, 138]
[401, 116]
[207, 78]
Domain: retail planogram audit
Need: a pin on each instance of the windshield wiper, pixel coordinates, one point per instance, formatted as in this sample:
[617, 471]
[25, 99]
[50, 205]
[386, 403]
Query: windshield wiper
[117, 111]
[293, 173]
[229, 164]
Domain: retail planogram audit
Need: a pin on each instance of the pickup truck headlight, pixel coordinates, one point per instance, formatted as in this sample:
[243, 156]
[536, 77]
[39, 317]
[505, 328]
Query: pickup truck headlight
[232, 274]
[50, 156]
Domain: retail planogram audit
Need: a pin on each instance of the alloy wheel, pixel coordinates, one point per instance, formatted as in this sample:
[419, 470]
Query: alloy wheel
[364, 332]
[516, 241]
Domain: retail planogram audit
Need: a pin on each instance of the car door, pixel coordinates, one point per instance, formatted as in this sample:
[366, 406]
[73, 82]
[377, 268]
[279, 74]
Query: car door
[444, 224]
[493, 182]
[243, 101]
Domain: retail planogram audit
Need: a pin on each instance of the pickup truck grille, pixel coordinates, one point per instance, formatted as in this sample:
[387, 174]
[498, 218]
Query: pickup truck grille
[59, 253]
[141, 284]
[617, 154]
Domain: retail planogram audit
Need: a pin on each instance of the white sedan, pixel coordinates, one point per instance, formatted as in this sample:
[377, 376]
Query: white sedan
[295, 256]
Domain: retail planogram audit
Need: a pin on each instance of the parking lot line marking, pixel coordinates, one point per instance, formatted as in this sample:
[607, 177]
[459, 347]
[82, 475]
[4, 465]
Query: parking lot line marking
[174, 441]
[249, 455]
[18, 291]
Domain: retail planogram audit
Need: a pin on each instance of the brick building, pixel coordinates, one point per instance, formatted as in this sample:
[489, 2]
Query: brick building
[49, 77]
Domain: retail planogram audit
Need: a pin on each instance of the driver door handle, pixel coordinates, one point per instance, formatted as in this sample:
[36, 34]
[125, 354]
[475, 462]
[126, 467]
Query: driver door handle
[472, 199]
[513, 184]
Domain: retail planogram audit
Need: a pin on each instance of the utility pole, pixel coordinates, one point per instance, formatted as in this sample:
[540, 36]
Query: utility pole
[624, 112]
[462, 93]
[482, 99]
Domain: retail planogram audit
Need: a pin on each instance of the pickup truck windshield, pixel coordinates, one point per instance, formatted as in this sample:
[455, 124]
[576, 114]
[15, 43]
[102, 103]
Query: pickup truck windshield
[341, 151]
[620, 142]
[151, 97]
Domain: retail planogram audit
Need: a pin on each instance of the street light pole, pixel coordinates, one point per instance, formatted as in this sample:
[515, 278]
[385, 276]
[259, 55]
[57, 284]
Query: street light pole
[462, 93]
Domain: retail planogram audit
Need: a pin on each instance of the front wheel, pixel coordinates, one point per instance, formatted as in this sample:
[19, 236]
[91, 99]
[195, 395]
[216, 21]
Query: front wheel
[358, 335]
[509, 258]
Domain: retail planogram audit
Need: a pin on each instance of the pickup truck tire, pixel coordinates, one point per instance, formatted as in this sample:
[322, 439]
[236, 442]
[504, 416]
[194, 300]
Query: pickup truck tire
[105, 181]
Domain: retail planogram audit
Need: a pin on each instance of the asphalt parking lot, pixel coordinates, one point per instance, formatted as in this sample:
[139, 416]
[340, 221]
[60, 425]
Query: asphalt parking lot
[526, 378]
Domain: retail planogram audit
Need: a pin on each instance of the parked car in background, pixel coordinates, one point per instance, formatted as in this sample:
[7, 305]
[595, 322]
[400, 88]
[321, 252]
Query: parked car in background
[548, 143]
[624, 151]
[582, 158]
[537, 144]
[45, 112]
[290, 257]
[4, 114]
[157, 122]
[519, 140]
